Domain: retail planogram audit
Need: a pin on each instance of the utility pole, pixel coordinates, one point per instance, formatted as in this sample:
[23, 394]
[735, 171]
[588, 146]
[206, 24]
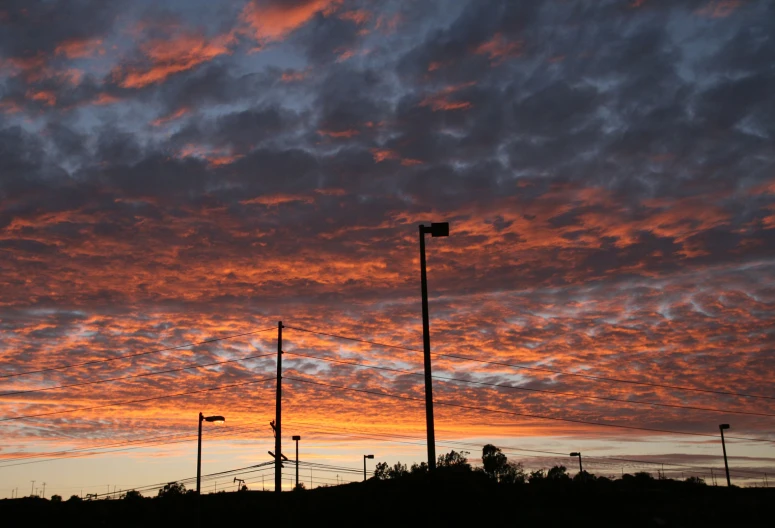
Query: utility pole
[721, 428]
[278, 442]
[44, 490]
[32, 488]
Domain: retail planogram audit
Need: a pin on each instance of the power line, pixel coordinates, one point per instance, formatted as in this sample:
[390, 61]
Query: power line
[126, 356]
[144, 374]
[209, 389]
[545, 391]
[540, 369]
[512, 413]
[144, 443]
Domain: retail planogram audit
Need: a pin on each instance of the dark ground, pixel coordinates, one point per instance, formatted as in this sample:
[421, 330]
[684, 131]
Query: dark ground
[411, 502]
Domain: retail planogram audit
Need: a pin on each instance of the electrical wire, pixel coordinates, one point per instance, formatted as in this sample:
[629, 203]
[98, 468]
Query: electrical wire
[209, 389]
[134, 376]
[540, 369]
[127, 356]
[512, 413]
[528, 389]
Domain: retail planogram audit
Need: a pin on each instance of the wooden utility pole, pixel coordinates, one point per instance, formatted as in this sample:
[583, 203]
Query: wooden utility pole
[278, 443]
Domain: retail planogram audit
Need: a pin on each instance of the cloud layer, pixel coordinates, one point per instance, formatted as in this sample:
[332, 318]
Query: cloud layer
[171, 174]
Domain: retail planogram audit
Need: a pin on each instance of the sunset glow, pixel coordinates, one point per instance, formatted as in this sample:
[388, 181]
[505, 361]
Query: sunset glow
[179, 172]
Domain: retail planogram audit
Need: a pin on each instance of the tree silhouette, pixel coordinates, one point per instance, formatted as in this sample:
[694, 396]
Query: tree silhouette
[381, 471]
[56, 498]
[397, 471]
[494, 461]
[558, 474]
[418, 469]
[133, 495]
[172, 489]
[454, 460]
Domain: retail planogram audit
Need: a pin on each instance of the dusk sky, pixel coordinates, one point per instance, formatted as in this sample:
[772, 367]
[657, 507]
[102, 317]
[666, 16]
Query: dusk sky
[179, 171]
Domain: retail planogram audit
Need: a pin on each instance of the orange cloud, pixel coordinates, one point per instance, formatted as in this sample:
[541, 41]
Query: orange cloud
[293, 76]
[9, 107]
[271, 21]
[339, 134]
[168, 57]
[278, 199]
[719, 8]
[441, 101]
[105, 99]
[177, 114]
[214, 157]
[359, 16]
[45, 96]
[79, 48]
[381, 155]
[499, 49]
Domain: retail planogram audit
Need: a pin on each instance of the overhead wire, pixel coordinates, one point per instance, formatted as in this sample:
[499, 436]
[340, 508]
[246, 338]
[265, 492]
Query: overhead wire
[128, 402]
[541, 369]
[530, 389]
[527, 415]
[134, 376]
[128, 356]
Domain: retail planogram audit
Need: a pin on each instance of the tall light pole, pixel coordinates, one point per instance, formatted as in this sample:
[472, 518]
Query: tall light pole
[297, 438]
[435, 230]
[364, 465]
[203, 418]
[278, 414]
[721, 428]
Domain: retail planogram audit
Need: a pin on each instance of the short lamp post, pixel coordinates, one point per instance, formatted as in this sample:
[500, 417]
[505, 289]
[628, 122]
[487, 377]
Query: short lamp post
[364, 465]
[296, 438]
[578, 454]
[721, 428]
[203, 418]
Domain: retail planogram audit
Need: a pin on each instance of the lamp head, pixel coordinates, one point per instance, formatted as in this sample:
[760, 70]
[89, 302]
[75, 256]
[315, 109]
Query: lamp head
[575, 454]
[296, 437]
[437, 229]
[723, 426]
[368, 456]
[216, 419]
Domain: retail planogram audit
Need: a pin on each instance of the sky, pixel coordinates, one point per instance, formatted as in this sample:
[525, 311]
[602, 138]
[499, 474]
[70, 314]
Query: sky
[180, 171]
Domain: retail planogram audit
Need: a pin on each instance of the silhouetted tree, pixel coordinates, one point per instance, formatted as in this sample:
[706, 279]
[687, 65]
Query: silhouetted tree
[172, 489]
[397, 471]
[513, 473]
[418, 469]
[558, 474]
[299, 487]
[381, 471]
[74, 498]
[494, 461]
[695, 481]
[454, 460]
[584, 476]
[56, 498]
[133, 495]
[537, 476]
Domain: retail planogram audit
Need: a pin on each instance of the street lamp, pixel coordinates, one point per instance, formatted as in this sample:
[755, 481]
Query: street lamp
[721, 428]
[364, 465]
[435, 230]
[203, 418]
[578, 454]
[297, 438]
